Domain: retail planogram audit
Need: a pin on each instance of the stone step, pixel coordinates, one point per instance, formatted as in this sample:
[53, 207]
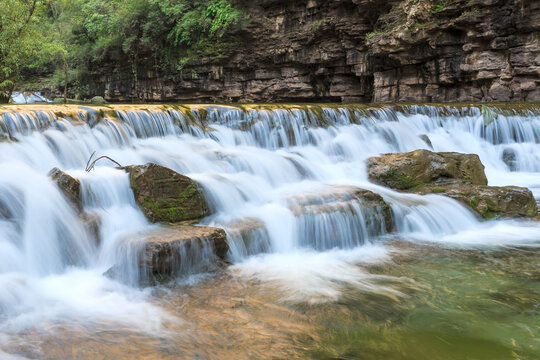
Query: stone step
[181, 250]
[338, 216]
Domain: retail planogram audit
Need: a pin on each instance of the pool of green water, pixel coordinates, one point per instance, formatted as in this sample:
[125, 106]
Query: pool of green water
[457, 304]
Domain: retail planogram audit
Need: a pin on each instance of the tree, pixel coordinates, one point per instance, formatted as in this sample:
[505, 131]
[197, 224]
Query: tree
[19, 42]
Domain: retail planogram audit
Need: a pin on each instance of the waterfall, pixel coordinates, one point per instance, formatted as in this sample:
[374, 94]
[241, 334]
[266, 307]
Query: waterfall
[281, 181]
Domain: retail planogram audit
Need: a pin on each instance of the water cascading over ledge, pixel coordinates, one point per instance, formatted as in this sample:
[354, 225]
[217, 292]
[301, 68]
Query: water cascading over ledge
[274, 174]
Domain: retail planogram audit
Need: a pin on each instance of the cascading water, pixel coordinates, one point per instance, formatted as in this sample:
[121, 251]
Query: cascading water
[280, 181]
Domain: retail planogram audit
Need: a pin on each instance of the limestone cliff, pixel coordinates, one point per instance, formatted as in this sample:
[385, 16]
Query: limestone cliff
[355, 51]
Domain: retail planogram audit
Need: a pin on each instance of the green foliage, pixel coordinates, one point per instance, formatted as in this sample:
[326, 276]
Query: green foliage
[70, 38]
[438, 190]
[19, 41]
[439, 6]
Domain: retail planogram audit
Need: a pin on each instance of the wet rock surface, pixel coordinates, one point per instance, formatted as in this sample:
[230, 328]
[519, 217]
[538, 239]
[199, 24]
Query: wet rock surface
[166, 196]
[69, 186]
[489, 201]
[181, 250]
[458, 176]
[342, 199]
[403, 171]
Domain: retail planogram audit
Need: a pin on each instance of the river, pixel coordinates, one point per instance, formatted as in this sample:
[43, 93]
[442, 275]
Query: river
[319, 277]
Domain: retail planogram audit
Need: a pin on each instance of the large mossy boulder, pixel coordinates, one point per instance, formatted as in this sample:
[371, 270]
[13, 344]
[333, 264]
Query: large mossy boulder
[458, 176]
[488, 201]
[166, 196]
[404, 171]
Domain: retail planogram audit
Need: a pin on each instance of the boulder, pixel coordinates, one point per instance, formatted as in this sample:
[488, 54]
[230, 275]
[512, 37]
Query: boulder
[166, 196]
[458, 176]
[97, 100]
[182, 250]
[404, 171]
[69, 186]
[489, 201]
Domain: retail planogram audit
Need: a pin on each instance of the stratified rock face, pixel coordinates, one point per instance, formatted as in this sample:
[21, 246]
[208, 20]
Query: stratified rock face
[181, 250]
[489, 201]
[166, 196]
[408, 170]
[352, 51]
[70, 187]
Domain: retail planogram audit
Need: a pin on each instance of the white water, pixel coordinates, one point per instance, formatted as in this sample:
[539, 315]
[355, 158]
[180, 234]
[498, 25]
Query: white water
[285, 170]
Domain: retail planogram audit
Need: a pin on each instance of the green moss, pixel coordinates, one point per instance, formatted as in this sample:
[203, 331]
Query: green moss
[474, 202]
[316, 25]
[438, 190]
[185, 207]
[491, 212]
[112, 114]
[134, 186]
[532, 212]
[438, 7]
[402, 181]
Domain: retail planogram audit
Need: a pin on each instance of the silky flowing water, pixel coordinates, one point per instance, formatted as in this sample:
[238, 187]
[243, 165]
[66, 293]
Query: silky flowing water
[317, 278]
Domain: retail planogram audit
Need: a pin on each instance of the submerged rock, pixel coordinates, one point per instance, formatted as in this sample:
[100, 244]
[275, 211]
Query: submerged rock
[489, 201]
[403, 171]
[166, 196]
[509, 157]
[181, 250]
[427, 140]
[92, 223]
[70, 187]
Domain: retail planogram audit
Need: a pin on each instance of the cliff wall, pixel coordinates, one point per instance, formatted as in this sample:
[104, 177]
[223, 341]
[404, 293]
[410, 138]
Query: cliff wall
[354, 51]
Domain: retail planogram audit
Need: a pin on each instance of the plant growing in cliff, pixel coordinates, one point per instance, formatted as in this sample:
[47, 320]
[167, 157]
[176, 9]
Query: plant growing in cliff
[198, 29]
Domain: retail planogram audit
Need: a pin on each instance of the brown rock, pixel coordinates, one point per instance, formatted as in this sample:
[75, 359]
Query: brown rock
[403, 171]
[489, 201]
[166, 196]
[69, 186]
[181, 250]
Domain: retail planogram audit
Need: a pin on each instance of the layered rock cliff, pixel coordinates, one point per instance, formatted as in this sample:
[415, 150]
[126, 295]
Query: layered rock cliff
[354, 51]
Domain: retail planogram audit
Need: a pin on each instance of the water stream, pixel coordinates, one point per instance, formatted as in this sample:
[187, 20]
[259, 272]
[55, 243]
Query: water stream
[284, 174]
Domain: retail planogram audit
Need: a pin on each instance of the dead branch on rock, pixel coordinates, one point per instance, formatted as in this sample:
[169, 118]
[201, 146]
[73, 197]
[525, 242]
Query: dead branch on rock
[90, 165]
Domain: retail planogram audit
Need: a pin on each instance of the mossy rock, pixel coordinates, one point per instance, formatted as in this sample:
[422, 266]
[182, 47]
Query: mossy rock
[404, 171]
[97, 100]
[166, 196]
[489, 201]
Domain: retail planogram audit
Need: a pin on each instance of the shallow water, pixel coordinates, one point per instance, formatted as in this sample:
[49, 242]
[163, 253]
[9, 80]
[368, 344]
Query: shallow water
[437, 303]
